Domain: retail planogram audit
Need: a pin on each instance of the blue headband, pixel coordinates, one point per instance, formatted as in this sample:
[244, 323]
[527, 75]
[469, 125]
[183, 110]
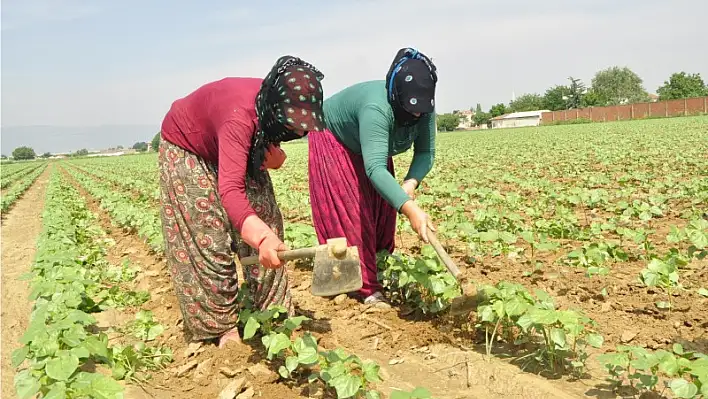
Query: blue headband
[408, 54]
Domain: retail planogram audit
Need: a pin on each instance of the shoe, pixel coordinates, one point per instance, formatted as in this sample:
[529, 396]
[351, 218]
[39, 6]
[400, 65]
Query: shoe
[374, 298]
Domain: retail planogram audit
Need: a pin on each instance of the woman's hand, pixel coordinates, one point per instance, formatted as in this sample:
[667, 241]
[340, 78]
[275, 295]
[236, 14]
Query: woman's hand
[420, 221]
[268, 252]
[259, 236]
[409, 187]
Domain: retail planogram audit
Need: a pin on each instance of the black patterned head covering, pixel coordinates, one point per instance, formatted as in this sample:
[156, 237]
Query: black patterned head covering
[290, 99]
[410, 85]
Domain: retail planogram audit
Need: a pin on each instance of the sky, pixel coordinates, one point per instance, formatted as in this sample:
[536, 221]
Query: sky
[96, 73]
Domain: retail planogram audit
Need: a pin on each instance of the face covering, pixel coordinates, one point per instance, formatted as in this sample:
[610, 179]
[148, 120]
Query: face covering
[410, 84]
[290, 100]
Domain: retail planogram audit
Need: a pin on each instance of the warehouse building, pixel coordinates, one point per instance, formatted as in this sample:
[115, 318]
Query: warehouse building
[518, 119]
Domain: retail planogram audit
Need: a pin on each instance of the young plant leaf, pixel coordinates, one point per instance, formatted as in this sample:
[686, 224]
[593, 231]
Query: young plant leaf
[277, 343]
[26, 385]
[293, 323]
[57, 391]
[291, 363]
[306, 354]
[682, 388]
[346, 385]
[155, 332]
[19, 355]
[251, 328]
[63, 366]
[595, 340]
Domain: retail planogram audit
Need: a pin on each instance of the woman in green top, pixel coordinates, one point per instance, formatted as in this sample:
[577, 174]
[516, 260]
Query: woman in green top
[353, 191]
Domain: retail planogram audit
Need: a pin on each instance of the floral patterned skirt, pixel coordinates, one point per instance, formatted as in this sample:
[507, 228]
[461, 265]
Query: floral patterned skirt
[200, 243]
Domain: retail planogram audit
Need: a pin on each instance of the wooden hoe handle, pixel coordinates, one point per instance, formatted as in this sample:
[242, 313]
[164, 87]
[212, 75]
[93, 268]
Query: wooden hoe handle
[447, 261]
[283, 255]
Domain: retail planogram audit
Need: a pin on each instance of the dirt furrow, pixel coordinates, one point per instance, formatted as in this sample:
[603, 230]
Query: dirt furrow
[20, 229]
[422, 354]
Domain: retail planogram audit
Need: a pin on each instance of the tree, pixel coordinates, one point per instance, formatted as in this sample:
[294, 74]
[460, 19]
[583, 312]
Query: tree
[120, 147]
[155, 144]
[617, 85]
[448, 122]
[46, 155]
[591, 99]
[526, 102]
[140, 146]
[3, 156]
[497, 110]
[81, 153]
[555, 98]
[576, 92]
[480, 117]
[22, 153]
[682, 85]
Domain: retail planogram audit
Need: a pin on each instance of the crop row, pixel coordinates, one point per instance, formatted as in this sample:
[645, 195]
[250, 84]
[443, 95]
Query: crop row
[126, 180]
[132, 215]
[129, 166]
[345, 374]
[9, 169]
[21, 185]
[602, 201]
[70, 281]
[60, 338]
[10, 177]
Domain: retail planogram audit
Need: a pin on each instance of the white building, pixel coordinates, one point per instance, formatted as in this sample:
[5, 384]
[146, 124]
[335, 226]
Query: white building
[107, 154]
[466, 119]
[518, 119]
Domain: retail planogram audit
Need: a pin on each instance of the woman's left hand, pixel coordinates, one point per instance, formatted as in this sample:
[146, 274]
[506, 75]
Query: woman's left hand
[409, 187]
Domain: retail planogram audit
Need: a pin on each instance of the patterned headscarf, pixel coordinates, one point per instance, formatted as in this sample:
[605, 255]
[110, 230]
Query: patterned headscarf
[410, 85]
[290, 98]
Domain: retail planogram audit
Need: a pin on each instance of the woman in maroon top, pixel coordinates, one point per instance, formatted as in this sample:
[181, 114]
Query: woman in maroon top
[216, 194]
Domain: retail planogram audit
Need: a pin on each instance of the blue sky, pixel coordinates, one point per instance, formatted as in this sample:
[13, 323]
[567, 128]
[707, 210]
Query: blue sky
[88, 64]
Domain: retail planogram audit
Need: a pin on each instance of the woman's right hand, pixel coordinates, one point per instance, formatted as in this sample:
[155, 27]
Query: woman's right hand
[259, 236]
[420, 221]
[268, 252]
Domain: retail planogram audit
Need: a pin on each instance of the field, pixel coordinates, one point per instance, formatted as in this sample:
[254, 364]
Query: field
[585, 246]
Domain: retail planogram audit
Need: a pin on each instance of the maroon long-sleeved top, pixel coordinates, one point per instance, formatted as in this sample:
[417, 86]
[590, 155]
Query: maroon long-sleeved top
[217, 122]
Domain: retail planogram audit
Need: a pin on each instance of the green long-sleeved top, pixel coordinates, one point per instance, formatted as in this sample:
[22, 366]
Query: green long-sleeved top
[361, 118]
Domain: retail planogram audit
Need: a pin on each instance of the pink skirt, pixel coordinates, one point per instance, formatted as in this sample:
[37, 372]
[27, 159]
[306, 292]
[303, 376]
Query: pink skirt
[346, 204]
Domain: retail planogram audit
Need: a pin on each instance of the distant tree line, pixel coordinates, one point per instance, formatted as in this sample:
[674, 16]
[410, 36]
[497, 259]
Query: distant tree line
[611, 86]
[28, 153]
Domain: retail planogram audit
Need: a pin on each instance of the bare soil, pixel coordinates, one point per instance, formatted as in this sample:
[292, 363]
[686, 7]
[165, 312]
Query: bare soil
[442, 354]
[20, 228]
[430, 357]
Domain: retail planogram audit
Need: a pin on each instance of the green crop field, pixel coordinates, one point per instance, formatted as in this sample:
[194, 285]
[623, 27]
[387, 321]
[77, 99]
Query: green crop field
[586, 245]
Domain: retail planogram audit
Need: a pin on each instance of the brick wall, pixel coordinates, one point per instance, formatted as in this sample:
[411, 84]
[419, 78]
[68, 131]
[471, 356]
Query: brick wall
[683, 107]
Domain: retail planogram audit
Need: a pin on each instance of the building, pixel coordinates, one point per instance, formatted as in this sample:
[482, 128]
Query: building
[466, 119]
[112, 152]
[518, 119]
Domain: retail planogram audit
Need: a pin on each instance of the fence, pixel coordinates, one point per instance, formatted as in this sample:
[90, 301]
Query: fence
[682, 107]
